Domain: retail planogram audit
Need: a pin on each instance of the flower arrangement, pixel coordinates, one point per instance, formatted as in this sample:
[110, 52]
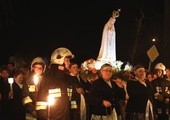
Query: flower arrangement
[123, 70]
[90, 69]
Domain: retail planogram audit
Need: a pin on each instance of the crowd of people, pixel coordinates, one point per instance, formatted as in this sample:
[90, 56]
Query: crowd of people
[57, 92]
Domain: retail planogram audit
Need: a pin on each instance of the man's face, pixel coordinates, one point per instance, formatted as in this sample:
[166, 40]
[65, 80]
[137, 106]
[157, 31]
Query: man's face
[74, 69]
[38, 69]
[159, 72]
[5, 74]
[67, 63]
[140, 73]
[168, 72]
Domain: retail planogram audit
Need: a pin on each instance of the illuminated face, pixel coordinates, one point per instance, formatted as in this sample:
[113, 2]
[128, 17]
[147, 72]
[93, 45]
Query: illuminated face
[74, 69]
[159, 72]
[19, 78]
[106, 73]
[140, 73]
[67, 63]
[38, 69]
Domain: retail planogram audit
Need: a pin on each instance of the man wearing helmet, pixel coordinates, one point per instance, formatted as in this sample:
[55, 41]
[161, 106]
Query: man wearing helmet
[30, 88]
[160, 92]
[56, 84]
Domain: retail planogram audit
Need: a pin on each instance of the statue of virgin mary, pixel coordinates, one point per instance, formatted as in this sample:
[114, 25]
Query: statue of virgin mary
[108, 45]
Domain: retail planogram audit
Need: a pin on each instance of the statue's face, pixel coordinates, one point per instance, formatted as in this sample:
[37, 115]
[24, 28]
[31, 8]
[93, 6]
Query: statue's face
[112, 21]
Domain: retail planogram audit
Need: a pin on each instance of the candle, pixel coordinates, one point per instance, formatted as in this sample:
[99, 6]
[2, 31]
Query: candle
[10, 81]
[36, 79]
[51, 101]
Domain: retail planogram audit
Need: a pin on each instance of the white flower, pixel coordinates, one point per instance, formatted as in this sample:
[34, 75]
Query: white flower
[128, 67]
[117, 65]
[88, 64]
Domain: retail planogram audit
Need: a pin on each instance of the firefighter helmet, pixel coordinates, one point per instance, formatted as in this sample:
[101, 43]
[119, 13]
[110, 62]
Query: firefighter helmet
[57, 57]
[38, 60]
[160, 66]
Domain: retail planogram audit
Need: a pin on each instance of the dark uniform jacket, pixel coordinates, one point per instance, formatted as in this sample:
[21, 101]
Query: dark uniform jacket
[60, 110]
[161, 86]
[29, 93]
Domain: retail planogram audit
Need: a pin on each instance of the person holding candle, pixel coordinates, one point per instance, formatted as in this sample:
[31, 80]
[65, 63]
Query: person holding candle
[16, 108]
[30, 88]
[56, 83]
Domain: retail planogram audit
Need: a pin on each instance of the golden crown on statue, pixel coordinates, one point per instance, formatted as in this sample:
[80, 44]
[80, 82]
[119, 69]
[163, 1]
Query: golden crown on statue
[115, 13]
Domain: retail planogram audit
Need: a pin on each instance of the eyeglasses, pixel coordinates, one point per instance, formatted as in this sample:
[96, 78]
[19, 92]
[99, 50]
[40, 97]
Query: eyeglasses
[38, 68]
[107, 70]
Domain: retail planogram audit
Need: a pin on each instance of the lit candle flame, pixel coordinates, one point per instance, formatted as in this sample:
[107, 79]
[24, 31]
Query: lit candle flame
[51, 100]
[10, 80]
[36, 79]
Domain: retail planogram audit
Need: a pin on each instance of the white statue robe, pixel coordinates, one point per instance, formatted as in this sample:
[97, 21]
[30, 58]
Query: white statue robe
[108, 45]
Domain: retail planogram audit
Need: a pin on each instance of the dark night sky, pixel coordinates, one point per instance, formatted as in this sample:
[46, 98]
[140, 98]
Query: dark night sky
[36, 28]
